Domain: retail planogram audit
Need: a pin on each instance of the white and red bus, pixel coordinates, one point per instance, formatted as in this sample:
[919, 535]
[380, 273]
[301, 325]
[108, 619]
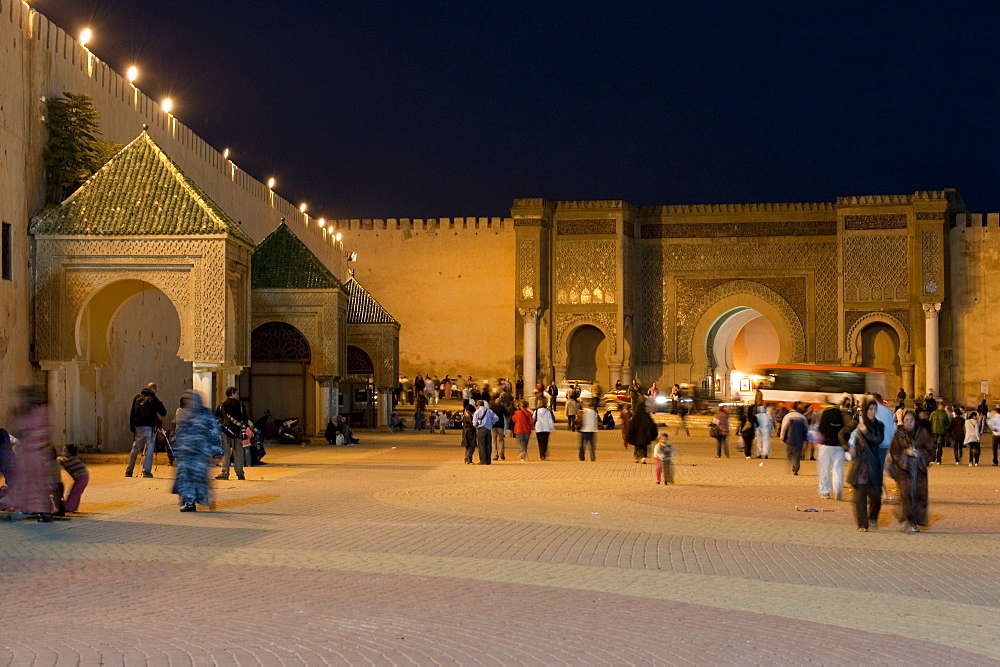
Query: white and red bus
[819, 385]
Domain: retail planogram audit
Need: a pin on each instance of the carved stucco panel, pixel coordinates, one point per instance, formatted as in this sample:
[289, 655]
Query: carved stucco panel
[586, 272]
[527, 261]
[875, 268]
[930, 262]
[313, 312]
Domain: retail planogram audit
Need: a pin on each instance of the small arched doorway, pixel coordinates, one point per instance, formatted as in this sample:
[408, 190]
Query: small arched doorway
[360, 394]
[587, 351]
[879, 346]
[279, 359]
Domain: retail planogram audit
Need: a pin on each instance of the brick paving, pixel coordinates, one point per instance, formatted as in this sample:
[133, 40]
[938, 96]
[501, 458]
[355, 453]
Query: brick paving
[395, 552]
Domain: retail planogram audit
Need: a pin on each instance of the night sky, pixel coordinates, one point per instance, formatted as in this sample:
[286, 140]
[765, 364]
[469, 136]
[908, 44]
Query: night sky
[434, 109]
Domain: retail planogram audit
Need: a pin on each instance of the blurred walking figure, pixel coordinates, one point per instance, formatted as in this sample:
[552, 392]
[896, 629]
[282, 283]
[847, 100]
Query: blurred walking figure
[72, 464]
[994, 425]
[143, 420]
[830, 453]
[794, 431]
[748, 428]
[35, 468]
[866, 473]
[522, 421]
[663, 452]
[196, 444]
[589, 423]
[719, 429]
[765, 426]
[641, 432]
[483, 420]
[973, 436]
[468, 435]
[911, 451]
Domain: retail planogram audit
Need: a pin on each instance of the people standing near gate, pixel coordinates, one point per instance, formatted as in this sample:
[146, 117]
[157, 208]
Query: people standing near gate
[233, 419]
[588, 423]
[973, 430]
[866, 473]
[519, 388]
[794, 431]
[641, 431]
[553, 392]
[484, 419]
[910, 452]
[468, 436]
[939, 431]
[499, 426]
[143, 420]
[993, 422]
[572, 410]
[447, 385]
[956, 433]
[545, 424]
[830, 453]
[748, 428]
[719, 429]
[522, 422]
[653, 393]
[196, 444]
[466, 397]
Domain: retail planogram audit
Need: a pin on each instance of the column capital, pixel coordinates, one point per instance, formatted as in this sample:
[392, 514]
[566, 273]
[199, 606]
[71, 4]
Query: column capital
[931, 309]
[529, 314]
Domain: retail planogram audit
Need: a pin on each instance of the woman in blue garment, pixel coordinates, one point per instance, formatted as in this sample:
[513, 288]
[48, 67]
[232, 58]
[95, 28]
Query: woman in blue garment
[196, 444]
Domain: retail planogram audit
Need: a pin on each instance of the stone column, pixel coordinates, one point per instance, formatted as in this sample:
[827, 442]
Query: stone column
[530, 348]
[615, 375]
[908, 380]
[931, 346]
[56, 392]
[325, 401]
[201, 382]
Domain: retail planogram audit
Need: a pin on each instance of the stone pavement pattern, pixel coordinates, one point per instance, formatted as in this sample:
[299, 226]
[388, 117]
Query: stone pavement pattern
[395, 552]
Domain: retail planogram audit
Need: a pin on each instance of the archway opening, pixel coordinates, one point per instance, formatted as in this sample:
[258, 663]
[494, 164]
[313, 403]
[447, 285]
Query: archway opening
[360, 392]
[128, 334]
[588, 351]
[279, 360]
[879, 345]
[741, 340]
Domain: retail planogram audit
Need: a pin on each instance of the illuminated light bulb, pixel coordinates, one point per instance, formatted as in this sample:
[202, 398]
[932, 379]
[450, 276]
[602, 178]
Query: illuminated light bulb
[85, 36]
[132, 74]
[167, 104]
[225, 153]
[302, 208]
[338, 236]
[270, 183]
[322, 222]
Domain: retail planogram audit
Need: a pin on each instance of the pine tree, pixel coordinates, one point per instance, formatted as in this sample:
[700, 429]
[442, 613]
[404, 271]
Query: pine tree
[74, 150]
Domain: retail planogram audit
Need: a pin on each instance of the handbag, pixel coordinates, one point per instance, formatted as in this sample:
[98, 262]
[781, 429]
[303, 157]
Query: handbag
[713, 430]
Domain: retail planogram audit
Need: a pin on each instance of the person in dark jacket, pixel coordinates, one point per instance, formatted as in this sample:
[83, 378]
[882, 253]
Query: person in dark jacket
[956, 433]
[144, 420]
[233, 420]
[866, 473]
[830, 453]
[794, 431]
[748, 429]
[641, 431]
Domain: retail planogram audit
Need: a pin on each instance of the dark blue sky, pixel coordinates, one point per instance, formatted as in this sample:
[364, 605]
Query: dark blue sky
[431, 109]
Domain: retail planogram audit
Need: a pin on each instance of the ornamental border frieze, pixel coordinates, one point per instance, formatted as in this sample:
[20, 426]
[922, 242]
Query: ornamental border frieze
[685, 332]
[872, 221]
[701, 230]
[930, 215]
[565, 322]
[589, 226]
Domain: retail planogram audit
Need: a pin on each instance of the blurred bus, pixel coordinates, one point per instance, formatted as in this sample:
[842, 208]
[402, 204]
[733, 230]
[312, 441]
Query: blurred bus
[819, 385]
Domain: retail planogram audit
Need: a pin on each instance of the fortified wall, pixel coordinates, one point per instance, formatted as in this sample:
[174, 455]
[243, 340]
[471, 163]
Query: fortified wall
[449, 282]
[40, 60]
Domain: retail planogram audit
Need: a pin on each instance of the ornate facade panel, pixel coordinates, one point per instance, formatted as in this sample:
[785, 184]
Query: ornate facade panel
[527, 263]
[581, 267]
[875, 268]
[701, 230]
[595, 226]
[567, 322]
[875, 221]
[817, 258]
[191, 272]
[930, 215]
[930, 262]
[685, 329]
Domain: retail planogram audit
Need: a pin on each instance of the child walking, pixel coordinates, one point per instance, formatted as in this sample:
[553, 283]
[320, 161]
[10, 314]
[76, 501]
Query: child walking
[81, 476]
[663, 452]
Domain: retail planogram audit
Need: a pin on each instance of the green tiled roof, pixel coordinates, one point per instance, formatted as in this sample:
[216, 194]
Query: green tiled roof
[283, 261]
[362, 308]
[139, 192]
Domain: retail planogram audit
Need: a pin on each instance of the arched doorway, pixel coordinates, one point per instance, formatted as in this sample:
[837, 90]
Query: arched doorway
[879, 347]
[127, 335]
[360, 394]
[740, 341]
[279, 358]
[587, 351]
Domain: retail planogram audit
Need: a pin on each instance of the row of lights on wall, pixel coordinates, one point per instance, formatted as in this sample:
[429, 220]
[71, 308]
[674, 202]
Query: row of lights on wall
[167, 105]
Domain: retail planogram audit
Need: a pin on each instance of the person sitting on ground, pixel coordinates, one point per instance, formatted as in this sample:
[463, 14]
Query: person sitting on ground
[395, 423]
[348, 433]
[608, 422]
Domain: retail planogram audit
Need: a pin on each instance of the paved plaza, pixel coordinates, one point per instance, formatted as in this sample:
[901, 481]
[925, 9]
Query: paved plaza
[395, 552]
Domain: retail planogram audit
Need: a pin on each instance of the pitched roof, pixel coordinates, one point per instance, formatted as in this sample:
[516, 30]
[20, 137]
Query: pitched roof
[139, 192]
[283, 261]
[362, 308]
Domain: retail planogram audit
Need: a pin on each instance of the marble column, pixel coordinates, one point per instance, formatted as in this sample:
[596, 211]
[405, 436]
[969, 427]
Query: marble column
[530, 348]
[931, 346]
[908, 380]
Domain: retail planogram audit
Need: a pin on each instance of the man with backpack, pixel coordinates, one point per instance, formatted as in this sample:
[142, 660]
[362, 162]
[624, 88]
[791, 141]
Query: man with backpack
[144, 420]
[233, 420]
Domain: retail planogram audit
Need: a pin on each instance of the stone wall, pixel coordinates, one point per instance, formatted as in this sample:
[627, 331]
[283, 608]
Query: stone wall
[449, 283]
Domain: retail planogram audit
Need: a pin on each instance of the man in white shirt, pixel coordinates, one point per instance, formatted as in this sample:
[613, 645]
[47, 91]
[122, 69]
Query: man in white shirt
[589, 423]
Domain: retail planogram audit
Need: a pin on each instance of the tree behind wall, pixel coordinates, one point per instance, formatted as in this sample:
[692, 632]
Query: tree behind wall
[74, 150]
